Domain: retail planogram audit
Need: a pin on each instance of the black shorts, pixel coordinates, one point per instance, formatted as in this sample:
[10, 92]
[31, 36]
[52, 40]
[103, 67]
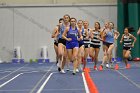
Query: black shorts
[86, 45]
[108, 44]
[94, 46]
[104, 43]
[127, 48]
[80, 44]
[63, 41]
[56, 43]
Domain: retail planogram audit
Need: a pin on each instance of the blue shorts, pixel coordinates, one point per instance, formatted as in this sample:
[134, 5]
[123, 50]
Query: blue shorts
[71, 45]
[80, 44]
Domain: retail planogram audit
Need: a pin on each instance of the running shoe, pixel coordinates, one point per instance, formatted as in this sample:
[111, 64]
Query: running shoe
[62, 71]
[107, 65]
[95, 68]
[77, 70]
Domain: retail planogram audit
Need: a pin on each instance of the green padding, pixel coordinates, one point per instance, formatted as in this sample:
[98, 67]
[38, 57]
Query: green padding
[31, 60]
[36, 60]
[129, 15]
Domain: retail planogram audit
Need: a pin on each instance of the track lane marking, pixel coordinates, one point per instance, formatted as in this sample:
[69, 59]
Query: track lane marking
[37, 84]
[132, 82]
[10, 80]
[43, 85]
[13, 72]
[85, 84]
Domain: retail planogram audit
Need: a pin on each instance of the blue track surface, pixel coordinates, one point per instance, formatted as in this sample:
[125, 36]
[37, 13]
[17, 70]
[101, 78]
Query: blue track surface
[66, 83]
[29, 77]
[118, 81]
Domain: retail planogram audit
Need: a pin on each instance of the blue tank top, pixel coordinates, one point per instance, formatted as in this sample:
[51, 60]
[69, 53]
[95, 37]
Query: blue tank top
[62, 28]
[73, 34]
[110, 36]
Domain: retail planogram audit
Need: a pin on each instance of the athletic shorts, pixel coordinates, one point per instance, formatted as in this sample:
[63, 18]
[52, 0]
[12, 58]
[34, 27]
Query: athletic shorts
[94, 46]
[55, 43]
[127, 48]
[80, 44]
[104, 42]
[86, 45]
[71, 45]
[63, 41]
[108, 44]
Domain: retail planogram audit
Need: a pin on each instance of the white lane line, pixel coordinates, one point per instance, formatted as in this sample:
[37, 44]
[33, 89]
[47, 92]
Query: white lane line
[37, 84]
[20, 90]
[13, 72]
[33, 72]
[43, 85]
[138, 86]
[10, 80]
[85, 83]
[63, 90]
[6, 72]
[23, 90]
